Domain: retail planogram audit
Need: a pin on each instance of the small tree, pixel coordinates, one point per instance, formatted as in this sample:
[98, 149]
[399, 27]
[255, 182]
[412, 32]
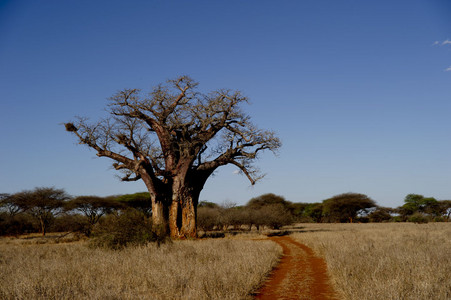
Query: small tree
[445, 208]
[417, 205]
[380, 214]
[314, 211]
[93, 208]
[345, 207]
[412, 204]
[267, 199]
[275, 216]
[10, 204]
[208, 218]
[43, 204]
[430, 206]
[298, 211]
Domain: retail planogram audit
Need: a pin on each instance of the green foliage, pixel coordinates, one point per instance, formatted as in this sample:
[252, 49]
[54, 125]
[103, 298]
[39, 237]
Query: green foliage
[445, 209]
[314, 212]
[43, 203]
[415, 204]
[130, 228]
[298, 211]
[414, 199]
[418, 218]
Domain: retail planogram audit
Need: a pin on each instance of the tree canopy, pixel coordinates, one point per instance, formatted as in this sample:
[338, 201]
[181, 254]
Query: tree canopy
[344, 207]
[42, 203]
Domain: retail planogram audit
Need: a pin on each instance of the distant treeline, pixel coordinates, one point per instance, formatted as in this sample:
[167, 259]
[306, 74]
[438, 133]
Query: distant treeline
[274, 211]
[50, 209]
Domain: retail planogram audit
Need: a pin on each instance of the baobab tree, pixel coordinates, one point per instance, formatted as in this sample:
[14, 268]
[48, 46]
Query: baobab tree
[173, 139]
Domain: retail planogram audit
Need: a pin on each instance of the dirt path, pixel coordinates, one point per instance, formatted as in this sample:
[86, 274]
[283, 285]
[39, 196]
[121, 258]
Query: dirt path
[300, 274]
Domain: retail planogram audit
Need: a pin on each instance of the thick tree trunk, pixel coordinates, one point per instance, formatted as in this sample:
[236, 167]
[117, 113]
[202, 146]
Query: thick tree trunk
[158, 215]
[183, 211]
[158, 197]
[189, 217]
[183, 217]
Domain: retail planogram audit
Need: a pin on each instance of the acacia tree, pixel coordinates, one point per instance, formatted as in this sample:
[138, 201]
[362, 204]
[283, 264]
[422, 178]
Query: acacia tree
[445, 206]
[173, 139]
[345, 207]
[10, 204]
[93, 208]
[42, 203]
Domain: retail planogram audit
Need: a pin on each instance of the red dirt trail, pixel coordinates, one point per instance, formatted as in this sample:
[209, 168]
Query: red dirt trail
[299, 275]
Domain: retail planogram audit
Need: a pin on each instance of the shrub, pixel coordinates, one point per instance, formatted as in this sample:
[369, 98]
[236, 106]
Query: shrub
[130, 228]
[273, 216]
[418, 218]
[207, 218]
[16, 225]
[69, 222]
[381, 214]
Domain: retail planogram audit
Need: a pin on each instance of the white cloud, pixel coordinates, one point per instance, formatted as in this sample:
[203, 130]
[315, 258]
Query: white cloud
[238, 172]
[439, 43]
[449, 69]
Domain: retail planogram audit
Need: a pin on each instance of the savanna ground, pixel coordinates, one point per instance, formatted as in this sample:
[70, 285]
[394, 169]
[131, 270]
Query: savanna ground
[384, 260]
[364, 261]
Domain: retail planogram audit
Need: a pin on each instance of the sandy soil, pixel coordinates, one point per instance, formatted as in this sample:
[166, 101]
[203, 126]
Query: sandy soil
[300, 274]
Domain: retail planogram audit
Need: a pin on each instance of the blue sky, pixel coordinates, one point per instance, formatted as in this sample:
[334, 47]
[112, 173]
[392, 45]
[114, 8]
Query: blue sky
[358, 91]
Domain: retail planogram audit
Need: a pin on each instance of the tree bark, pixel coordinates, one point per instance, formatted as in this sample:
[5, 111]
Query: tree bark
[183, 210]
[43, 227]
[189, 217]
[159, 213]
[182, 216]
[158, 197]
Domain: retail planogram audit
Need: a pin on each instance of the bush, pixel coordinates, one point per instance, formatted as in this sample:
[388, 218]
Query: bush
[439, 219]
[418, 218]
[16, 225]
[380, 215]
[207, 218]
[72, 223]
[273, 216]
[130, 228]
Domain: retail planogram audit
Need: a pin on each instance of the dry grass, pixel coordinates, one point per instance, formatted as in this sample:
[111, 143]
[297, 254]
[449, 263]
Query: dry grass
[206, 269]
[385, 261]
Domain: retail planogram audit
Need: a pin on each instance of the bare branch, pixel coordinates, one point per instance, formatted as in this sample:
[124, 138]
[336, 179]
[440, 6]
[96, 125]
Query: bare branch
[244, 170]
[128, 178]
[176, 129]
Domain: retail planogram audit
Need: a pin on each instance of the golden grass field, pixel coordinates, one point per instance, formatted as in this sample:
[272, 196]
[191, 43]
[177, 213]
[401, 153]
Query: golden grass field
[365, 261]
[385, 260]
[204, 269]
